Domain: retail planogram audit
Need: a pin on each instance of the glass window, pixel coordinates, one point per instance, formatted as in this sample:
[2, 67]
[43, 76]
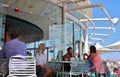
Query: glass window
[2, 26]
[76, 14]
[53, 14]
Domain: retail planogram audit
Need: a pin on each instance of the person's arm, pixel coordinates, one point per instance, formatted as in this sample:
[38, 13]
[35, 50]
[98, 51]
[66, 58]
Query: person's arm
[85, 56]
[92, 69]
[43, 66]
[65, 58]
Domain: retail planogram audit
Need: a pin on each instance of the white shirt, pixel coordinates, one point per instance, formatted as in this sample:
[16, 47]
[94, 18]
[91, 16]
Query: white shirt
[41, 59]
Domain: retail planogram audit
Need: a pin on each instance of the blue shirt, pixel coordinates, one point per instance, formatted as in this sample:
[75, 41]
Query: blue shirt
[14, 47]
[91, 63]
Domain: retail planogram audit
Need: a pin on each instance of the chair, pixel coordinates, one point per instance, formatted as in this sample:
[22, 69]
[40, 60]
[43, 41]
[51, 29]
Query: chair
[103, 68]
[22, 66]
[57, 67]
[2, 74]
[79, 67]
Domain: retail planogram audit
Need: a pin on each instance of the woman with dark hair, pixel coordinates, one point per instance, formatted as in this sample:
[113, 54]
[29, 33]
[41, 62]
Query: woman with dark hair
[96, 59]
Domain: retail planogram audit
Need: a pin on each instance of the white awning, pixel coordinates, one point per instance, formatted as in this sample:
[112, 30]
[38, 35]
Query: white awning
[114, 45]
[103, 49]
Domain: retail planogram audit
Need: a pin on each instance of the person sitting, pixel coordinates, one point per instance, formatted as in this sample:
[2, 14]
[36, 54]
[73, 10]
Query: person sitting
[14, 46]
[117, 70]
[87, 57]
[41, 58]
[67, 57]
[97, 61]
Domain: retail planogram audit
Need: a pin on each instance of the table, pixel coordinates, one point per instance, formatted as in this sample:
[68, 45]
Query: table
[76, 66]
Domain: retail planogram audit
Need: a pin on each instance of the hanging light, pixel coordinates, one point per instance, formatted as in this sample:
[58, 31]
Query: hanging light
[17, 10]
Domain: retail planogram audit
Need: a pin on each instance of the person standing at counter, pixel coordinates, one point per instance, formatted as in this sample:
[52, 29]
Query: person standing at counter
[41, 58]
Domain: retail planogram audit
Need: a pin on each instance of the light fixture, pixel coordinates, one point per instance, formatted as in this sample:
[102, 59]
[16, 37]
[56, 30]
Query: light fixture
[115, 20]
[17, 10]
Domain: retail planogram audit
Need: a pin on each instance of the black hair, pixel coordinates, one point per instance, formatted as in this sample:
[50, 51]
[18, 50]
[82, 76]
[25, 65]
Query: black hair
[92, 49]
[14, 34]
[115, 69]
[69, 48]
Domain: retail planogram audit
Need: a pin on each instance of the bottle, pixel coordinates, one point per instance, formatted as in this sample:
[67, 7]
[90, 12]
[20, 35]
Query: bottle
[60, 55]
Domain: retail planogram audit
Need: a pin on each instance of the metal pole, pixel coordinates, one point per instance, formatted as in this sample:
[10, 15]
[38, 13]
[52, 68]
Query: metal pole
[73, 39]
[47, 52]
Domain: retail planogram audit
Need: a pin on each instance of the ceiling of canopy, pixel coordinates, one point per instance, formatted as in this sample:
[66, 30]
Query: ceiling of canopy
[31, 8]
[49, 10]
[36, 7]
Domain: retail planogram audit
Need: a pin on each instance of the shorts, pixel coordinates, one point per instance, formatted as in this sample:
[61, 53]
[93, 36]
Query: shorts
[40, 71]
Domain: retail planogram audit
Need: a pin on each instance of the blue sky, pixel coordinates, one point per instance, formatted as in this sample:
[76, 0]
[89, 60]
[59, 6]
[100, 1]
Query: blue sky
[111, 7]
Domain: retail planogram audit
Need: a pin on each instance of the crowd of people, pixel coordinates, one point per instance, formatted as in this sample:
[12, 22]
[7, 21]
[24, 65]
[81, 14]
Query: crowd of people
[17, 47]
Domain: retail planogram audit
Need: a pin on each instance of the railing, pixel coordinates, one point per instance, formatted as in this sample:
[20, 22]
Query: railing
[77, 67]
[111, 64]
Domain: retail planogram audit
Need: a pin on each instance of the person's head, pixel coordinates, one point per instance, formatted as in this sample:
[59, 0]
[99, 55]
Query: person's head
[14, 34]
[41, 47]
[69, 50]
[92, 49]
[115, 69]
